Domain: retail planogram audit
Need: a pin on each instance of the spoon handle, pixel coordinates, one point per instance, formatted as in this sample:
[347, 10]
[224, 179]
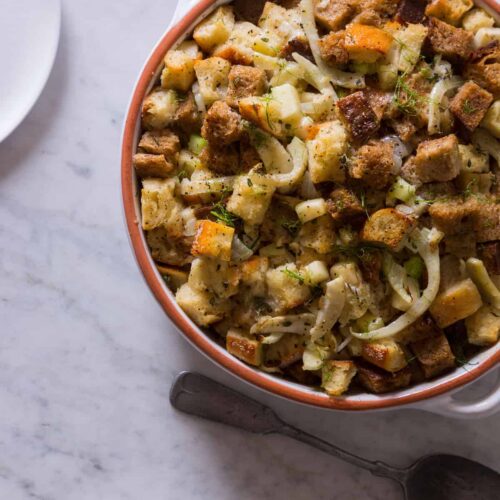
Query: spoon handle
[376, 468]
[198, 395]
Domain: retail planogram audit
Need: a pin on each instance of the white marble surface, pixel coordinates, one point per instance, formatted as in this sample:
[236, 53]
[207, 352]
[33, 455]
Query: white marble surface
[86, 354]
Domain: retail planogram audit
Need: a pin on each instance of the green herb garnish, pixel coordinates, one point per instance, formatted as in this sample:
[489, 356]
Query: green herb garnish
[222, 214]
[294, 275]
[267, 99]
[292, 226]
[182, 174]
[406, 99]
[468, 108]
[362, 199]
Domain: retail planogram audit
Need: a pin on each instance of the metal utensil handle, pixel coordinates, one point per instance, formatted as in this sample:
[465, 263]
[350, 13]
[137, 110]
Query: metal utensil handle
[376, 468]
[201, 396]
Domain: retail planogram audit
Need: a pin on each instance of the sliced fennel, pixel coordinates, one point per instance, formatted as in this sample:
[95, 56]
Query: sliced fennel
[426, 243]
[273, 338]
[331, 306]
[298, 153]
[479, 275]
[437, 94]
[272, 153]
[398, 279]
[198, 99]
[314, 355]
[239, 251]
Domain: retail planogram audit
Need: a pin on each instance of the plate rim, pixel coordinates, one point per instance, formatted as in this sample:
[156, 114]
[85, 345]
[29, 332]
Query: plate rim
[27, 105]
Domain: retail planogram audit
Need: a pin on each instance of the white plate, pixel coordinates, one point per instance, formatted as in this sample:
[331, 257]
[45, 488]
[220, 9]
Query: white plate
[29, 35]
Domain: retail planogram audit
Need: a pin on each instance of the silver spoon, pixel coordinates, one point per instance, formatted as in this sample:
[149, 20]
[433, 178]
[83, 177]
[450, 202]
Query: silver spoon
[436, 477]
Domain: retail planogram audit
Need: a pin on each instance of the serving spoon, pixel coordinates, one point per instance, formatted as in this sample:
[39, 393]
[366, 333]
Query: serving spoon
[436, 477]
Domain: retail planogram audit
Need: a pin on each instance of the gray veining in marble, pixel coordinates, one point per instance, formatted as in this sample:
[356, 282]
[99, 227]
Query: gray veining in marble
[86, 354]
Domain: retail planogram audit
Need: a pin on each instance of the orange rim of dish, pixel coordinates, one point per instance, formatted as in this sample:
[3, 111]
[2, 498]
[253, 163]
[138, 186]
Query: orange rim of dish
[194, 334]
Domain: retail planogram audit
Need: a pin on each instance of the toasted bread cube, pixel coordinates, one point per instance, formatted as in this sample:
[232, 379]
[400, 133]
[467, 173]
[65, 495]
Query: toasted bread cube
[470, 104]
[166, 249]
[475, 183]
[385, 354]
[286, 288]
[438, 160]
[484, 67]
[483, 327]
[356, 112]
[160, 207]
[453, 43]
[200, 306]
[174, 276]
[161, 142]
[250, 199]
[487, 219]
[158, 109]
[222, 126]
[472, 159]
[212, 74]
[476, 19]
[491, 121]
[453, 216]
[305, 377]
[366, 44]
[215, 29]
[224, 160]
[219, 278]
[379, 381]
[374, 164]
[355, 347]
[287, 351]
[345, 207]
[450, 11]
[253, 274]
[489, 253]
[410, 39]
[245, 81]
[334, 14]
[188, 116]
[318, 235]
[388, 227]
[239, 48]
[336, 376]
[325, 153]
[434, 355]
[421, 329]
[281, 24]
[147, 165]
[411, 11]
[333, 49]
[243, 347]
[213, 240]
[265, 112]
[456, 303]
[178, 73]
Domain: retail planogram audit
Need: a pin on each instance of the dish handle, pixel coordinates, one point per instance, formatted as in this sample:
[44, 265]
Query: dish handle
[448, 406]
